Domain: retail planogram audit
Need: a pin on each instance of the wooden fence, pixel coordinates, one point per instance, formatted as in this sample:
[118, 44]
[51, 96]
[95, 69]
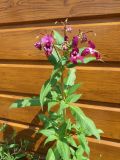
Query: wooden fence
[23, 69]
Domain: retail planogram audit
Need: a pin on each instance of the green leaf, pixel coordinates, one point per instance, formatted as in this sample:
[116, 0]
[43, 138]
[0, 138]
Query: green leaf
[19, 156]
[44, 91]
[50, 155]
[47, 132]
[89, 59]
[59, 39]
[79, 152]
[26, 102]
[83, 141]
[71, 141]
[84, 122]
[63, 106]
[63, 150]
[73, 98]
[3, 127]
[73, 88]
[71, 77]
[47, 87]
[50, 139]
[62, 130]
[54, 58]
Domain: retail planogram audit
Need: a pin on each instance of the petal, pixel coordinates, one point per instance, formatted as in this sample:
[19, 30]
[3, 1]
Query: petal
[91, 44]
[75, 41]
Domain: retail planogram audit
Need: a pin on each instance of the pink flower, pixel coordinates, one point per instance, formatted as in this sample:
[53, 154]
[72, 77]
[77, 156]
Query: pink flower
[38, 45]
[47, 43]
[47, 39]
[91, 50]
[75, 56]
[84, 38]
[68, 29]
[75, 41]
[91, 44]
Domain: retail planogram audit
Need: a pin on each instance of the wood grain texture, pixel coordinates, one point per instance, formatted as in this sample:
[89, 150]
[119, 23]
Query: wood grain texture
[18, 44]
[99, 149]
[106, 118]
[22, 10]
[99, 83]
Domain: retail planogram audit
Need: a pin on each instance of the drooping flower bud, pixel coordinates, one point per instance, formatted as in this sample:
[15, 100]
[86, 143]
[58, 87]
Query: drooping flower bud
[66, 38]
[75, 41]
[38, 45]
[83, 38]
[91, 44]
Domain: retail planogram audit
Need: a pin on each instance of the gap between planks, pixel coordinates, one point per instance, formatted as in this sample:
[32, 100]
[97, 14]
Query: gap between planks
[59, 26]
[51, 67]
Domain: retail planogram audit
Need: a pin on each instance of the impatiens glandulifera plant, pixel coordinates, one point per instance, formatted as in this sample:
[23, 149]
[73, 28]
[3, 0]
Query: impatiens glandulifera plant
[58, 94]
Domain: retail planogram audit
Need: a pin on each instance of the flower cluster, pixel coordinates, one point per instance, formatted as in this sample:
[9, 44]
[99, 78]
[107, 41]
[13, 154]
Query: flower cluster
[47, 43]
[71, 47]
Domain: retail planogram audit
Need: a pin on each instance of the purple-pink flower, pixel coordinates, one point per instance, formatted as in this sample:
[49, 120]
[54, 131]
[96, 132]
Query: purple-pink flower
[47, 43]
[75, 41]
[91, 50]
[47, 39]
[75, 56]
[91, 44]
[38, 45]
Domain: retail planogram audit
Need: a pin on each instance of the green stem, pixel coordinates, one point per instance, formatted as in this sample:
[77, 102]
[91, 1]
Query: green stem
[62, 85]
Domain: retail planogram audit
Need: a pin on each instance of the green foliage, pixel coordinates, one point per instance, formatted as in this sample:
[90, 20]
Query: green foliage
[50, 155]
[85, 124]
[59, 39]
[26, 102]
[14, 151]
[59, 94]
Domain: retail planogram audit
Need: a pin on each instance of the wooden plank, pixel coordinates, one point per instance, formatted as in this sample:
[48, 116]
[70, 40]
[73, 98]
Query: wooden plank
[99, 149]
[100, 83]
[22, 11]
[20, 41]
[106, 118]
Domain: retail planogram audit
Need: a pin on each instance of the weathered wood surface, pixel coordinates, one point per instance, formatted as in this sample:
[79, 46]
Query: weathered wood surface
[33, 10]
[99, 83]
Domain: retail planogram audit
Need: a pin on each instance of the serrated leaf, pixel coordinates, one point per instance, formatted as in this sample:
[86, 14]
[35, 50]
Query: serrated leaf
[50, 155]
[63, 150]
[73, 88]
[73, 98]
[83, 142]
[84, 122]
